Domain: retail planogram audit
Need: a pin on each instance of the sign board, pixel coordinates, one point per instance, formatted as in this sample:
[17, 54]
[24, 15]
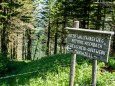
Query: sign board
[92, 44]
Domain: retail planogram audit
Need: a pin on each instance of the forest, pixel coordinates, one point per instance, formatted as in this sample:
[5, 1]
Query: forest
[33, 41]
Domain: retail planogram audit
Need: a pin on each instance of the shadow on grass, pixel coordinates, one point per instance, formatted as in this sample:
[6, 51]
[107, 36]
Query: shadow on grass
[50, 64]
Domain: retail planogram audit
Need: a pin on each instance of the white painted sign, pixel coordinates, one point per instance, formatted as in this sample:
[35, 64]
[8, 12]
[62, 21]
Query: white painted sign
[93, 44]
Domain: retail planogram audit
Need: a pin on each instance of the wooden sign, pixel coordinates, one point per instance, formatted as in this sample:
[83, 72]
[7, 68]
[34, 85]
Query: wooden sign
[92, 44]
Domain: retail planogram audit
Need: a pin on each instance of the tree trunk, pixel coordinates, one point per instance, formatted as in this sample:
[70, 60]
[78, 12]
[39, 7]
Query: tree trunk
[56, 36]
[4, 34]
[48, 39]
[63, 35]
[16, 45]
[11, 51]
[98, 18]
[29, 44]
[85, 13]
[23, 46]
[4, 41]
[14, 49]
[36, 49]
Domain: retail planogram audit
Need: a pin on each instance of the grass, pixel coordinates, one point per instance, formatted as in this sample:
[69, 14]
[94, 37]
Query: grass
[54, 71]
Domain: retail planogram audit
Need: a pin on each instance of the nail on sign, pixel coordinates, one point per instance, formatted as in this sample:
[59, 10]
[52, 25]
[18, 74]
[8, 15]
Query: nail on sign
[92, 44]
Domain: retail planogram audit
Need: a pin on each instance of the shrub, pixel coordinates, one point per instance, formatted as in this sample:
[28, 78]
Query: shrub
[111, 63]
[3, 63]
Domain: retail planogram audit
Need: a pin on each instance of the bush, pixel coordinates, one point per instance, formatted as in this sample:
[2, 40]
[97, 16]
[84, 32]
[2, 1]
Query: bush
[111, 63]
[3, 63]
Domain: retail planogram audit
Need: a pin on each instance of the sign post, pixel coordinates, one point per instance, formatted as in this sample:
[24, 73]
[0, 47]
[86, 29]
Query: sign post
[94, 69]
[93, 44]
[72, 69]
[73, 61]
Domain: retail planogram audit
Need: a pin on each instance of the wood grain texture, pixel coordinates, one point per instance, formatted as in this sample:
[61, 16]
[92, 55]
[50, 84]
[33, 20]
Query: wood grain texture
[89, 43]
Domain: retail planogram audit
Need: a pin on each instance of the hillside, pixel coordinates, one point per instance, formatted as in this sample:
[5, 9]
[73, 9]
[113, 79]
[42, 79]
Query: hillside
[54, 71]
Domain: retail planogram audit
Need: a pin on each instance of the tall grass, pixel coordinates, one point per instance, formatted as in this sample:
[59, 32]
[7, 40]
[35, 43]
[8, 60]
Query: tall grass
[54, 71]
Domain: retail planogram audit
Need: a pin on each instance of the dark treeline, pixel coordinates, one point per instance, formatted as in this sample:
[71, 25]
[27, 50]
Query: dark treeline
[15, 20]
[62, 13]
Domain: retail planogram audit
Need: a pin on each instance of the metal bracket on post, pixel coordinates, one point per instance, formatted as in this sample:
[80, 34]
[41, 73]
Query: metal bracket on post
[73, 61]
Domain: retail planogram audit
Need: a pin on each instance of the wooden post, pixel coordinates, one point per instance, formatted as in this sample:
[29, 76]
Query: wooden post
[94, 69]
[72, 69]
[73, 61]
